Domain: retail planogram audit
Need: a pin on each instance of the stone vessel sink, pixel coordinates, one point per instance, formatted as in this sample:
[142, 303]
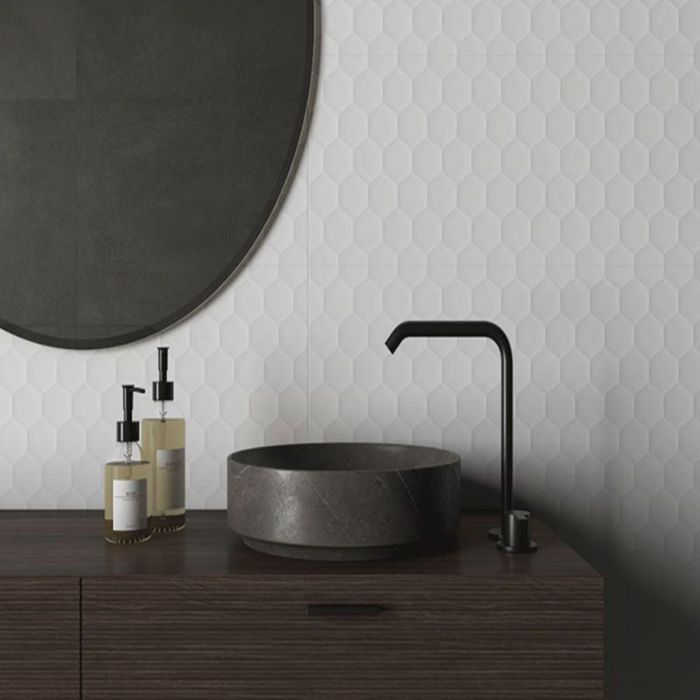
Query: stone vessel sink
[343, 501]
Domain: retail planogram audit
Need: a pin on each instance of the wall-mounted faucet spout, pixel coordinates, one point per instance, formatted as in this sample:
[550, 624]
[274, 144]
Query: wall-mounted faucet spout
[514, 534]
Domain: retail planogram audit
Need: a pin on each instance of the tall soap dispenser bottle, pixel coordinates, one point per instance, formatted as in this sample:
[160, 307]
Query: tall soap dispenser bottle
[127, 516]
[164, 447]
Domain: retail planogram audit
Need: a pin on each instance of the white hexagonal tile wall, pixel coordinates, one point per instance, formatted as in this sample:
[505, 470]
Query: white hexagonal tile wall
[59, 407]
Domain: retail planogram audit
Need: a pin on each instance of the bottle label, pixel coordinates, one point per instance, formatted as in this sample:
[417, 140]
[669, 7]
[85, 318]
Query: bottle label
[170, 479]
[130, 504]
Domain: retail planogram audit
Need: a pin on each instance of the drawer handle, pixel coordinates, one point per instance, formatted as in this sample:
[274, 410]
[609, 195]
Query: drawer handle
[343, 609]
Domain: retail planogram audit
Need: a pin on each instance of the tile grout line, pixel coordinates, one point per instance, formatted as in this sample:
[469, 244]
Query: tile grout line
[316, 77]
[503, 54]
[317, 69]
[308, 301]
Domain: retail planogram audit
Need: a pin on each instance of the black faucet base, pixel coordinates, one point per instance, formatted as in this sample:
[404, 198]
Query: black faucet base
[515, 533]
[517, 549]
[495, 535]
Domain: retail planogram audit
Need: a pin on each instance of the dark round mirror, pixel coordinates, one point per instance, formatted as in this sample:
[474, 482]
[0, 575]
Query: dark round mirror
[143, 147]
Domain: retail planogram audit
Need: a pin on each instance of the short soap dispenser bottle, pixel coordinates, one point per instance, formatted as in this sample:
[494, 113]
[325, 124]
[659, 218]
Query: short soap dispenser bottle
[127, 516]
[164, 447]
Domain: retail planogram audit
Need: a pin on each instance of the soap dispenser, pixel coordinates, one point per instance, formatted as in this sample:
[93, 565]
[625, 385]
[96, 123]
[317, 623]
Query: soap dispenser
[127, 516]
[164, 447]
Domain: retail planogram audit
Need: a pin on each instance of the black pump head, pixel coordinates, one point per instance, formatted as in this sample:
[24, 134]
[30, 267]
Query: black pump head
[128, 429]
[163, 390]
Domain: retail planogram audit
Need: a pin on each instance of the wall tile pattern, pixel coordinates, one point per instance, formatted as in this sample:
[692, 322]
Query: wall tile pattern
[528, 161]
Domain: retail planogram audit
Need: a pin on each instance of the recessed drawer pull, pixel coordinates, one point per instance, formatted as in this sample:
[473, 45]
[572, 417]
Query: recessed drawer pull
[343, 609]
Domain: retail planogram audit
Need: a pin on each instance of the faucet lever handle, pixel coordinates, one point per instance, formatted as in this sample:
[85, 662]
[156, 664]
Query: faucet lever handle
[515, 532]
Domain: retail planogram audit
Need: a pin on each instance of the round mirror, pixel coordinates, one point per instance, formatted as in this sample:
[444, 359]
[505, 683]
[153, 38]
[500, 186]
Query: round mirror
[143, 146]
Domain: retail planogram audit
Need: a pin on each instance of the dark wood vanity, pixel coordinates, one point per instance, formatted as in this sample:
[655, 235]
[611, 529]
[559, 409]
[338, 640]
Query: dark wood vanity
[198, 615]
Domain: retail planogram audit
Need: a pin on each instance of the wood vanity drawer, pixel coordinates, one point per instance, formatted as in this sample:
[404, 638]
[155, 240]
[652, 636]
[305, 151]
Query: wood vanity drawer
[40, 638]
[342, 637]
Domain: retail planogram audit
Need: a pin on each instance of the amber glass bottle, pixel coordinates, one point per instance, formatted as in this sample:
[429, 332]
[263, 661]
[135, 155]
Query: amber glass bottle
[127, 515]
[164, 448]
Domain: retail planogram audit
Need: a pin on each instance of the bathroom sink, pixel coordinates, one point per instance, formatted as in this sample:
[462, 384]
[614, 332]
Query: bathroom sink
[343, 501]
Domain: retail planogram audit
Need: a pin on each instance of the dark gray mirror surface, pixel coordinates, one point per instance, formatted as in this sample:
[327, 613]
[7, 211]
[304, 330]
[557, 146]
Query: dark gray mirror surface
[143, 147]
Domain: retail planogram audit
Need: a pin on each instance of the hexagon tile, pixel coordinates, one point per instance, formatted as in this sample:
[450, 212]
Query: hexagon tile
[240, 367]
[522, 27]
[473, 160]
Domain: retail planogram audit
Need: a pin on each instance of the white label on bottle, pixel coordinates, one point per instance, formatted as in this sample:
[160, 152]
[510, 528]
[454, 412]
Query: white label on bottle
[170, 479]
[130, 504]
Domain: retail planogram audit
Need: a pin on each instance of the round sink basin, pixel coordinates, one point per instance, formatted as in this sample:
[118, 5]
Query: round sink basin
[343, 501]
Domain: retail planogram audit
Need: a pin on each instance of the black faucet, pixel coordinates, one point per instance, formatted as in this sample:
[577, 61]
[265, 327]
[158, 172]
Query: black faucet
[514, 535]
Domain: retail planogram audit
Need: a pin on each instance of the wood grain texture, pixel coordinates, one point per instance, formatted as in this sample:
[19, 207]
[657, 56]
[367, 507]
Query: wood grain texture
[70, 543]
[40, 638]
[198, 614]
[250, 637]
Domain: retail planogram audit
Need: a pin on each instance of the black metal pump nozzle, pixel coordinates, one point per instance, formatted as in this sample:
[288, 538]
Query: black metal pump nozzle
[128, 429]
[163, 390]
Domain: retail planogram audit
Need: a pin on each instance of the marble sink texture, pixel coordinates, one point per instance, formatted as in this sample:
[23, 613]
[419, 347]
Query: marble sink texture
[343, 501]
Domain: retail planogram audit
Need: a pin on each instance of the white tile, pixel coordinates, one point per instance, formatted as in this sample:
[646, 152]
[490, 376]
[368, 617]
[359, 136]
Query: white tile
[57, 419]
[466, 170]
[284, 239]
[524, 27]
